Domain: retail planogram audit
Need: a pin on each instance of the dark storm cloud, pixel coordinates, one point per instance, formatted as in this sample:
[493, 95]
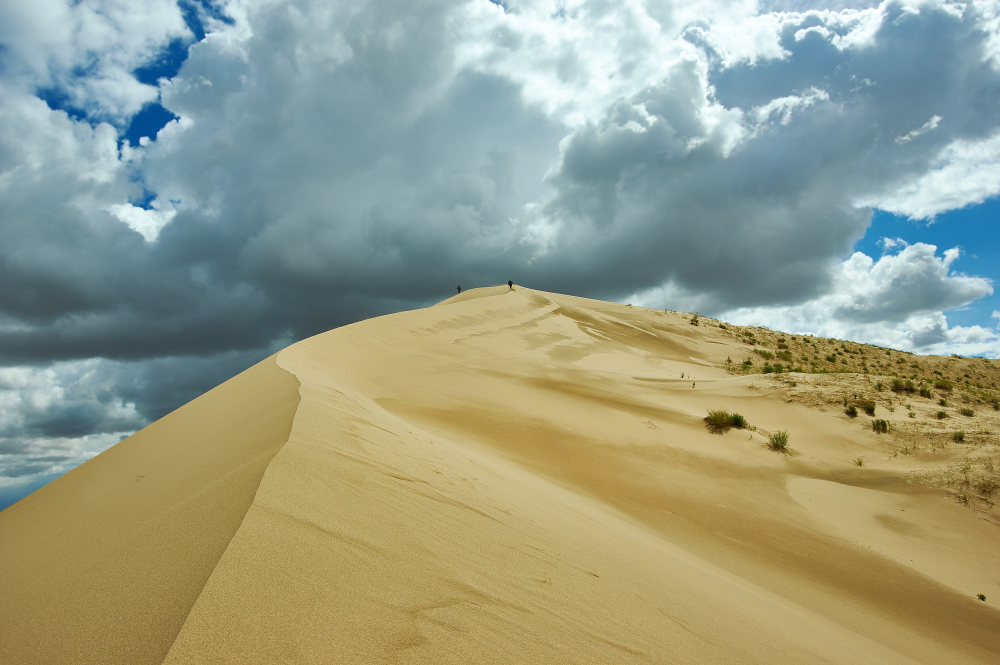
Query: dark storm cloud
[766, 222]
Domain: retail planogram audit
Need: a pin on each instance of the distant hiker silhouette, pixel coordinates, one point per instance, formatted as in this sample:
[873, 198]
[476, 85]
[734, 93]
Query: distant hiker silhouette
[459, 288]
[510, 285]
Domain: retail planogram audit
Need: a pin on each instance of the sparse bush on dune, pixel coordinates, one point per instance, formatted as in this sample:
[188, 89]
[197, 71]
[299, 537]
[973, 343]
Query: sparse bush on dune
[959, 436]
[967, 412]
[720, 421]
[944, 384]
[941, 415]
[881, 426]
[925, 392]
[868, 407]
[736, 420]
[851, 411]
[899, 386]
[778, 442]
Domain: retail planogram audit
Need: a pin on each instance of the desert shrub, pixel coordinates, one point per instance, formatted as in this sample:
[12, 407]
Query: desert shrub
[723, 326]
[967, 412]
[943, 402]
[941, 415]
[852, 411]
[944, 384]
[868, 407]
[859, 461]
[925, 392]
[899, 386]
[722, 421]
[718, 419]
[782, 345]
[831, 359]
[778, 368]
[778, 442]
[764, 353]
[881, 426]
[694, 320]
[880, 386]
[996, 405]
[747, 363]
[958, 436]
[784, 355]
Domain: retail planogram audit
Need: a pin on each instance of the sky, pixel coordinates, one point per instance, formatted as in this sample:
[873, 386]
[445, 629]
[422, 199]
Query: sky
[188, 186]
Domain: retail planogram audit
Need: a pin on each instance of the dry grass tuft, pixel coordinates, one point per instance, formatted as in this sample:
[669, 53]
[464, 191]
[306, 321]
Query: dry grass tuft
[720, 421]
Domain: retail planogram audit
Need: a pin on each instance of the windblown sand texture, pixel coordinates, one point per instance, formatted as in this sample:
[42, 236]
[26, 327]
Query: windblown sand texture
[507, 477]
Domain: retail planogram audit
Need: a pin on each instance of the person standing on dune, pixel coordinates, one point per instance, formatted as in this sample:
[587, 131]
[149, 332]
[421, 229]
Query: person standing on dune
[459, 288]
[510, 285]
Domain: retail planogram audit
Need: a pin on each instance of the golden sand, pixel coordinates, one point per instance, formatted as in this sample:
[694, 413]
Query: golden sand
[508, 477]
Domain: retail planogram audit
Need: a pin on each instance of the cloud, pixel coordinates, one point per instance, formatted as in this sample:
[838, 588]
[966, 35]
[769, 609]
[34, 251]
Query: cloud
[331, 161]
[923, 129]
[962, 173]
[896, 301]
[87, 51]
[147, 222]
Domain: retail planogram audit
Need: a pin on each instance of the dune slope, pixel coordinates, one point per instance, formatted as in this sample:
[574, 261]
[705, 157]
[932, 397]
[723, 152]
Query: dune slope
[103, 564]
[519, 476]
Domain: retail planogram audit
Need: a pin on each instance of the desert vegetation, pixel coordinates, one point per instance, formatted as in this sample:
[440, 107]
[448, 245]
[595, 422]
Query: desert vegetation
[720, 421]
[918, 395]
[972, 380]
[778, 442]
[910, 400]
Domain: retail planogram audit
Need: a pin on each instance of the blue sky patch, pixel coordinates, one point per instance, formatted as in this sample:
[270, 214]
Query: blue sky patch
[974, 229]
[166, 65]
[58, 100]
[147, 122]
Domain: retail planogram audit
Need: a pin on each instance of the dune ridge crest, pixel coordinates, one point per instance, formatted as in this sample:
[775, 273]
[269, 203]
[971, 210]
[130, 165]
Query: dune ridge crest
[522, 476]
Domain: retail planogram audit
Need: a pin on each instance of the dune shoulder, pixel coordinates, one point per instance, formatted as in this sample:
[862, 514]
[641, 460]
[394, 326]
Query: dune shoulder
[521, 476]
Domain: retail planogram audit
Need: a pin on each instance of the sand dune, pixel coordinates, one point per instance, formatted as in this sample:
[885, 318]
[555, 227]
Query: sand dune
[509, 476]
